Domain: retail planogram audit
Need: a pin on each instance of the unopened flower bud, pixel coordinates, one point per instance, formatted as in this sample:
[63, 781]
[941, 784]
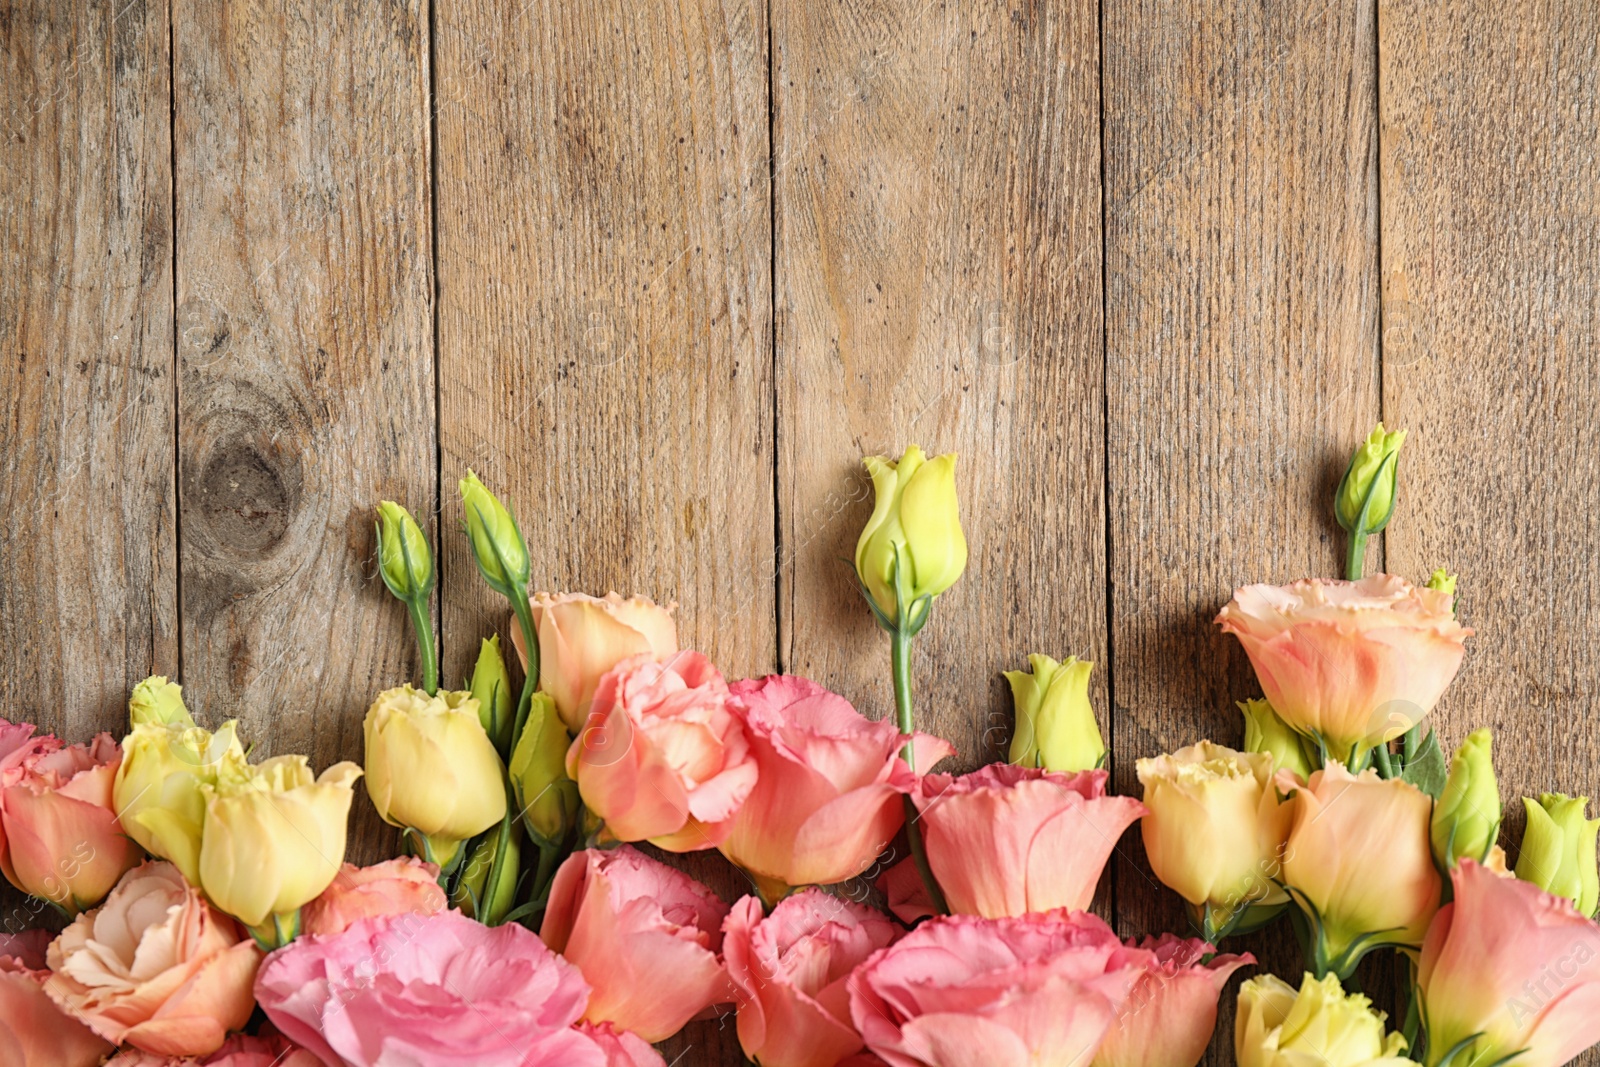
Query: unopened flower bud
[404, 558]
[156, 700]
[1055, 726]
[1265, 731]
[497, 543]
[1466, 817]
[1558, 849]
[1370, 482]
[492, 690]
[913, 538]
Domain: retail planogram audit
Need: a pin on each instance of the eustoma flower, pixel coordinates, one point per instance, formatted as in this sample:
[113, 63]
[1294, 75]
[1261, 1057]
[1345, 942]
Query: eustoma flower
[1358, 861]
[1509, 970]
[827, 798]
[582, 637]
[1172, 1010]
[155, 967]
[59, 836]
[429, 991]
[644, 935]
[791, 973]
[431, 768]
[1318, 1026]
[664, 757]
[1008, 840]
[1215, 830]
[394, 887]
[1352, 663]
[1036, 991]
[33, 1031]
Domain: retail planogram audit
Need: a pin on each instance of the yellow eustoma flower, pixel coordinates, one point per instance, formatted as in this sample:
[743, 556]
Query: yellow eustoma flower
[159, 790]
[431, 767]
[1055, 727]
[156, 700]
[274, 836]
[1319, 1026]
[915, 526]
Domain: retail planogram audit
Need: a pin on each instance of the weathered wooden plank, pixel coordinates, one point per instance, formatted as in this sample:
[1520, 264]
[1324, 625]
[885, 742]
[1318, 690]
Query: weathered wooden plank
[1241, 361]
[1491, 255]
[604, 319]
[88, 564]
[305, 350]
[938, 283]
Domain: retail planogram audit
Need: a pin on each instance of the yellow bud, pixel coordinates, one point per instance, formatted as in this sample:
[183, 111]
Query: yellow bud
[547, 798]
[497, 543]
[404, 558]
[1371, 472]
[1055, 726]
[1443, 582]
[1558, 850]
[1320, 1025]
[492, 690]
[491, 906]
[1265, 732]
[274, 836]
[430, 766]
[159, 791]
[156, 700]
[914, 536]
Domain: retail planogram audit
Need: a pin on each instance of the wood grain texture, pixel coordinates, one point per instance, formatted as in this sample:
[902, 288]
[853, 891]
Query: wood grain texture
[604, 320]
[1241, 363]
[1491, 255]
[88, 566]
[306, 356]
[938, 283]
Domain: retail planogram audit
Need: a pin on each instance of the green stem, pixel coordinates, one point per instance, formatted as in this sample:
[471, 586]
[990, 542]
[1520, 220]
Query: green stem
[430, 657]
[530, 677]
[1380, 755]
[906, 721]
[1355, 561]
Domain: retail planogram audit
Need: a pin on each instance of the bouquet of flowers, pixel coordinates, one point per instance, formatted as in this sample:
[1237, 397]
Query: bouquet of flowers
[209, 916]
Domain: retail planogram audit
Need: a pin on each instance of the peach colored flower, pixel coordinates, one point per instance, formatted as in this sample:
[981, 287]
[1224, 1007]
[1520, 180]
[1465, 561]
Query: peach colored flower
[631, 924]
[393, 887]
[1514, 964]
[1172, 1010]
[33, 1031]
[619, 1047]
[156, 967]
[1358, 852]
[1008, 840]
[59, 835]
[664, 757]
[791, 971]
[1356, 663]
[827, 798]
[582, 637]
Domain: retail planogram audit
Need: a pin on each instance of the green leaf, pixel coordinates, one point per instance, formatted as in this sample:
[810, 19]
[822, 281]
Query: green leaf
[1428, 770]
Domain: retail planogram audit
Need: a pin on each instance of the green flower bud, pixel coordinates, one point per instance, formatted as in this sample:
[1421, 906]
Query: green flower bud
[156, 700]
[547, 798]
[1055, 724]
[1466, 817]
[1442, 582]
[914, 535]
[1371, 474]
[1558, 850]
[492, 690]
[1265, 732]
[492, 906]
[497, 542]
[404, 559]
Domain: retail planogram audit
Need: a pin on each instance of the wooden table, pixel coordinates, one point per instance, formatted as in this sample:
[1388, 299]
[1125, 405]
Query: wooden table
[662, 273]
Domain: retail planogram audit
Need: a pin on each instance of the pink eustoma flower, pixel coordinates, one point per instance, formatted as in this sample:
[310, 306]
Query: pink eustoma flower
[1008, 840]
[33, 1031]
[1033, 991]
[1172, 1010]
[663, 757]
[1514, 964]
[428, 991]
[645, 936]
[827, 799]
[791, 970]
[59, 835]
